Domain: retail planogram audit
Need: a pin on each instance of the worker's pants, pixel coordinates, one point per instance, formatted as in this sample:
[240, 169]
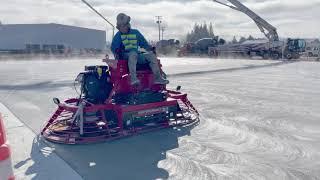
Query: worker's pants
[134, 58]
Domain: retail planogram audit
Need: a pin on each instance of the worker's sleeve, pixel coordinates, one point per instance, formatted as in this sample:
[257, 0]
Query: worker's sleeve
[143, 42]
[116, 43]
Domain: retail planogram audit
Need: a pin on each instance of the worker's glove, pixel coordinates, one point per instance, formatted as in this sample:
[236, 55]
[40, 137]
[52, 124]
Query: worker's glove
[142, 50]
[106, 59]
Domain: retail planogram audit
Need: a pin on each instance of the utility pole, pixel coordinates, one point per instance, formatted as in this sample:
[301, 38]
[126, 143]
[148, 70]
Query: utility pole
[159, 25]
[162, 29]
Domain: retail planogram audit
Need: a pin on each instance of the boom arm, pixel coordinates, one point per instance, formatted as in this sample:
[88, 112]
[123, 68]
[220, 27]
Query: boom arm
[100, 16]
[263, 25]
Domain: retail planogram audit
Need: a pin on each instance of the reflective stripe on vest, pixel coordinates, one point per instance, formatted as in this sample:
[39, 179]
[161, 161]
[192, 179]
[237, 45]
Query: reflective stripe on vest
[129, 41]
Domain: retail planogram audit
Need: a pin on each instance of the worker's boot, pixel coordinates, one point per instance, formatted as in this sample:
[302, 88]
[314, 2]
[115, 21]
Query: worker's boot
[158, 79]
[132, 64]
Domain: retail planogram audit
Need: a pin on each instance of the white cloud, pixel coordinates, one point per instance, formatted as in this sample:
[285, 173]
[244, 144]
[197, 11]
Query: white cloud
[293, 18]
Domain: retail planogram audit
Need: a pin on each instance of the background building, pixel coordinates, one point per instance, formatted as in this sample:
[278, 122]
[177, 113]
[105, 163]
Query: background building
[50, 38]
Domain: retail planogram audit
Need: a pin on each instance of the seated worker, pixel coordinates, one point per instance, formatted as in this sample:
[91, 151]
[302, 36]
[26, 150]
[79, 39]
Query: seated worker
[126, 44]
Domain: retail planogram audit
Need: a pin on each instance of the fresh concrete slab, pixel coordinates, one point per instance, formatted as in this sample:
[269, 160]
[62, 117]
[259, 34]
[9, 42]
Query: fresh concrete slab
[32, 158]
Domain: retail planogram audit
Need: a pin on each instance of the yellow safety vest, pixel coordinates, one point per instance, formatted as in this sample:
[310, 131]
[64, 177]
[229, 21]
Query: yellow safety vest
[129, 41]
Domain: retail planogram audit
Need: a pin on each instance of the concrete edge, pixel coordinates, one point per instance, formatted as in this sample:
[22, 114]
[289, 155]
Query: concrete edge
[28, 152]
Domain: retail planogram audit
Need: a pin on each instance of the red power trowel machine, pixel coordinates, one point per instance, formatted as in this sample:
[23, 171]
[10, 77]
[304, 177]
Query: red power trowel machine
[110, 108]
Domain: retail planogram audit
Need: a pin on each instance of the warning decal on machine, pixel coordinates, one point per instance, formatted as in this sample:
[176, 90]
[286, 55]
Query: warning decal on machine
[152, 111]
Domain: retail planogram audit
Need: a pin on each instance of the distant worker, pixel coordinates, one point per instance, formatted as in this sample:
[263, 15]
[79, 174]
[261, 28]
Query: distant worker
[127, 43]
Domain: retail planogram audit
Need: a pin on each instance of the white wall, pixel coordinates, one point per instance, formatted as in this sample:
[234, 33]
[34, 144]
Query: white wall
[16, 36]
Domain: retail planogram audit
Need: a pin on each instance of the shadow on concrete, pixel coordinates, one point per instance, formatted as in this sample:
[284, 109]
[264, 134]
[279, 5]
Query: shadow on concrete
[43, 164]
[36, 163]
[135, 157]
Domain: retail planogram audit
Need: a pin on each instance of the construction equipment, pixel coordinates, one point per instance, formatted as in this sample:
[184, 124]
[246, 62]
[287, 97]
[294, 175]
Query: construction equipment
[167, 47]
[199, 47]
[109, 107]
[274, 48]
[312, 48]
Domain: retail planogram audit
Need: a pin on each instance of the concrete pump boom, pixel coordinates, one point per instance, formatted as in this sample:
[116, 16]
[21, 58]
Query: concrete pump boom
[263, 25]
